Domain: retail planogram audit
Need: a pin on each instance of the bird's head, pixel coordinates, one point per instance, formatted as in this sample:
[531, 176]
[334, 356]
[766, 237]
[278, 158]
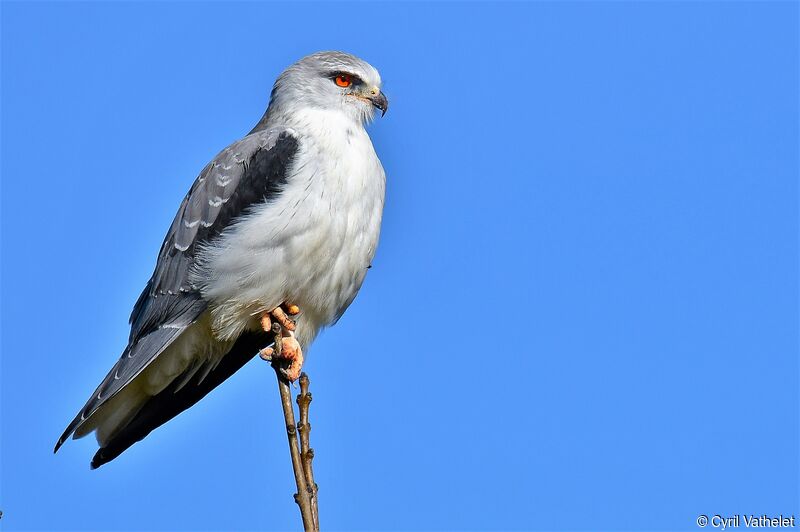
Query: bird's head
[330, 81]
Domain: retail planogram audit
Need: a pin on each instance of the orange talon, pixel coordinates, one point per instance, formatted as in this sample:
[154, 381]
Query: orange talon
[283, 319]
[286, 346]
[291, 351]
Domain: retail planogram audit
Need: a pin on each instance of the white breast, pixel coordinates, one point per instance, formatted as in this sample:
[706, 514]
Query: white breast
[312, 246]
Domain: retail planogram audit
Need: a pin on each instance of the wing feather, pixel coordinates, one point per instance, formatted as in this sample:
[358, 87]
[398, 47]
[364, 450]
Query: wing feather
[247, 172]
[184, 392]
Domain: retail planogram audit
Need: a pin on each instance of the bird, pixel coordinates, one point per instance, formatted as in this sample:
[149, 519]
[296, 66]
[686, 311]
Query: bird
[281, 226]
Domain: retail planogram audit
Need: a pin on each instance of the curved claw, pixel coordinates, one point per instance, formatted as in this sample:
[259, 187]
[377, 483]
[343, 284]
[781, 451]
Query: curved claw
[281, 317]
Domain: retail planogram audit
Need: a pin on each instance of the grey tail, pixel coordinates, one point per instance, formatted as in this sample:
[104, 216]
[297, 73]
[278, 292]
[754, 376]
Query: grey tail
[177, 397]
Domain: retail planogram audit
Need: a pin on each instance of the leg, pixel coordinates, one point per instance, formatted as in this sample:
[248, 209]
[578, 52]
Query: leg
[286, 346]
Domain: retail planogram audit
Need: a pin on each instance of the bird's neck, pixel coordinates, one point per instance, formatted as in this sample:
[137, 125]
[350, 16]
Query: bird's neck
[306, 118]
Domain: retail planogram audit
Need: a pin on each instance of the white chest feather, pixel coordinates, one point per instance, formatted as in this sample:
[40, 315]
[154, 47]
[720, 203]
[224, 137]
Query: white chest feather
[310, 246]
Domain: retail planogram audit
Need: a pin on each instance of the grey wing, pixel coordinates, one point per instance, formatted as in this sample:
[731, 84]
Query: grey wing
[247, 172]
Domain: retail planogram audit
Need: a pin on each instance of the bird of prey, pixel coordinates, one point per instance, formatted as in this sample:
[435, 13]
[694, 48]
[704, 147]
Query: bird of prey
[281, 225]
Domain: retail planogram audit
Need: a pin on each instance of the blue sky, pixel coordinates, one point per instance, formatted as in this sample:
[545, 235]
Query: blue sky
[583, 314]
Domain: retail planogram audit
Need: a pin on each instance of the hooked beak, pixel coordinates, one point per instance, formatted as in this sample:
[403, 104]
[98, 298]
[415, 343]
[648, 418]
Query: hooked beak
[379, 100]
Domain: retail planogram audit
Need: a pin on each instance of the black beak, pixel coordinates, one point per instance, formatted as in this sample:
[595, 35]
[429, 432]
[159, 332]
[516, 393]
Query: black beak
[380, 101]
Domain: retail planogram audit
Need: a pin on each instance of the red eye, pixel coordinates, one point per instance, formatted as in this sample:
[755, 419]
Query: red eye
[343, 80]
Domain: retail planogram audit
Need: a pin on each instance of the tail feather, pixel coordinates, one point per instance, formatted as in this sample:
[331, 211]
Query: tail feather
[114, 414]
[179, 396]
[133, 361]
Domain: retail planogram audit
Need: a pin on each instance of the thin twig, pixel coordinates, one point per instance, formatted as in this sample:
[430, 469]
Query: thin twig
[303, 495]
[306, 452]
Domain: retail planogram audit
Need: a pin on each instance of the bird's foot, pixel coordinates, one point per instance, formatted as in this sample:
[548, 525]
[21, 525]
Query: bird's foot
[281, 315]
[290, 350]
[286, 347]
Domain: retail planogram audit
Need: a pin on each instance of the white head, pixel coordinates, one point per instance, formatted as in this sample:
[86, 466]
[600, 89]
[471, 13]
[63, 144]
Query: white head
[329, 81]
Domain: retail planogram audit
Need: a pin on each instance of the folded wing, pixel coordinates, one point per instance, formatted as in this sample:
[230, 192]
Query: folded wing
[250, 171]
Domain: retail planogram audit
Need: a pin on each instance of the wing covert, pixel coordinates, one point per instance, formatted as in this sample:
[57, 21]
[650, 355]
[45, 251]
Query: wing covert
[245, 173]
[248, 172]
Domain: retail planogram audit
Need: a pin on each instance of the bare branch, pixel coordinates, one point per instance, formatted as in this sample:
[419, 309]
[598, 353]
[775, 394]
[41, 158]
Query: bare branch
[303, 495]
[306, 452]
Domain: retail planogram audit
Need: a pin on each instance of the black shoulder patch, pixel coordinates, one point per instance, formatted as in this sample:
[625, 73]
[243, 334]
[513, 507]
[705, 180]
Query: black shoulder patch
[263, 180]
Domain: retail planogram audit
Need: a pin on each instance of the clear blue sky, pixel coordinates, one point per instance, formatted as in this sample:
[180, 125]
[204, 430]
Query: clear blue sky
[583, 313]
